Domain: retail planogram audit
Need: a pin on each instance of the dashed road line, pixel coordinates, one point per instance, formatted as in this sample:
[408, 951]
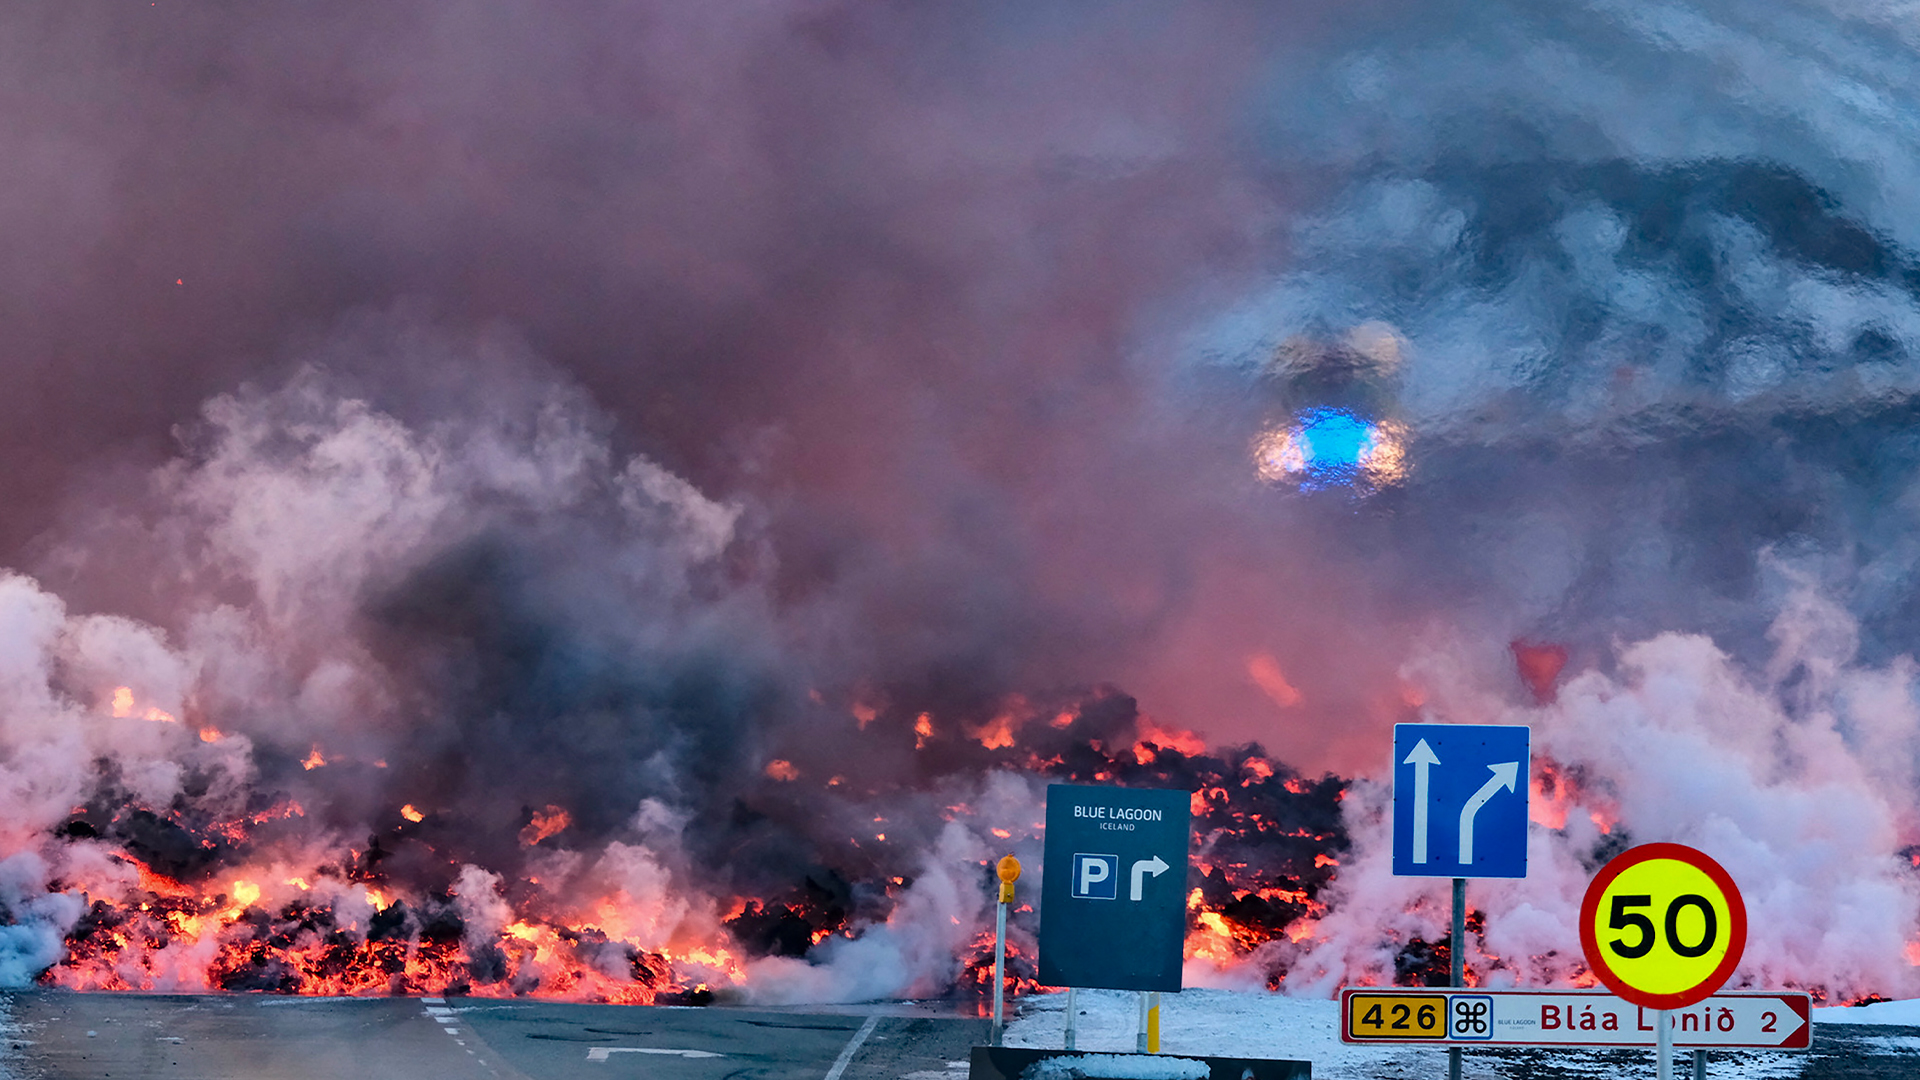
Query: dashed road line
[446, 1017]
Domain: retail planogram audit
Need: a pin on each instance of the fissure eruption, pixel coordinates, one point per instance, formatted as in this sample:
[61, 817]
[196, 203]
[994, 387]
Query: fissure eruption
[635, 503]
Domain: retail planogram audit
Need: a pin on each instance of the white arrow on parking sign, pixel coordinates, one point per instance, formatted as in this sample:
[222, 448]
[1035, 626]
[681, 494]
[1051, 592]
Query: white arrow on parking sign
[1155, 866]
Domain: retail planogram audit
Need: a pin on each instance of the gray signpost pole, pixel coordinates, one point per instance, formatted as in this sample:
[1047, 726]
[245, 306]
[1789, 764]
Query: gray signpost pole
[1008, 871]
[999, 969]
[1073, 1014]
[1459, 952]
[1699, 1065]
[1662, 1045]
[1460, 811]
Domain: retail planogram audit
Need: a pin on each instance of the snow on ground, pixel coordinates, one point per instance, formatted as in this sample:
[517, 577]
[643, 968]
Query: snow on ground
[1901, 1013]
[1219, 1023]
[1225, 1023]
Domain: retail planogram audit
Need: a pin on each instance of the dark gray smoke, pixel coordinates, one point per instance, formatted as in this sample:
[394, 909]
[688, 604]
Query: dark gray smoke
[586, 407]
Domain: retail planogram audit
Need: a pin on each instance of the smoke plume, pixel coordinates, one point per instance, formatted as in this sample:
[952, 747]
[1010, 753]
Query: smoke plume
[660, 471]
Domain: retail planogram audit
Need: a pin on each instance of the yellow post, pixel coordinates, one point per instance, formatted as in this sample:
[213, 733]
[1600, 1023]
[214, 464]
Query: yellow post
[1153, 1023]
[1009, 871]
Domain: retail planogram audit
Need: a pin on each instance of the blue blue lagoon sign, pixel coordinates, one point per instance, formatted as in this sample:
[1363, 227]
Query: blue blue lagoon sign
[1113, 896]
[1460, 800]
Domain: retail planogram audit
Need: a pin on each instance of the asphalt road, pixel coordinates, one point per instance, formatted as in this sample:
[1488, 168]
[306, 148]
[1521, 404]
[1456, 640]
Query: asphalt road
[52, 1035]
[57, 1035]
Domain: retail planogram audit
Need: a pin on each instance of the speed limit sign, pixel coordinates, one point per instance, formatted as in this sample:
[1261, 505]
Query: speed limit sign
[1663, 925]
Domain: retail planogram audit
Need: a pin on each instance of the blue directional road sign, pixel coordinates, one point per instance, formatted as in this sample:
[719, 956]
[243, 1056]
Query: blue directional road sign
[1460, 800]
[1113, 898]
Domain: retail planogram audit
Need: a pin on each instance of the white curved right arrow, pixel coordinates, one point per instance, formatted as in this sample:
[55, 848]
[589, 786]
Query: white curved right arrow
[1505, 775]
[1155, 866]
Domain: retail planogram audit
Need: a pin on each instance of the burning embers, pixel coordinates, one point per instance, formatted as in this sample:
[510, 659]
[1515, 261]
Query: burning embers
[345, 929]
[271, 900]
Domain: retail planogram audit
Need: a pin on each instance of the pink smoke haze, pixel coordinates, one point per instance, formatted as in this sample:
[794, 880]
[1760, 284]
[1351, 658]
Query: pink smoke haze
[638, 499]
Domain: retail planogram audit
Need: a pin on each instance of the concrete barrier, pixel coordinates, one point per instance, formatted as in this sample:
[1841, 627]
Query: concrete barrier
[1025, 1063]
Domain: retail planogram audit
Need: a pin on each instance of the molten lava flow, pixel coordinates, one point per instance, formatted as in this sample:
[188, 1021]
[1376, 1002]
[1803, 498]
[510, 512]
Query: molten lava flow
[259, 897]
[123, 704]
[996, 734]
[1556, 791]
[549, 822]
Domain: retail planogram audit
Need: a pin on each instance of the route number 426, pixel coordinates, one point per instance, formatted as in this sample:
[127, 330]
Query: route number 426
[1398, 1016]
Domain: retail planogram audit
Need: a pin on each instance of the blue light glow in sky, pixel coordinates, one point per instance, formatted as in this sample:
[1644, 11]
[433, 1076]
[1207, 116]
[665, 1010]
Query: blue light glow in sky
[1328, 447]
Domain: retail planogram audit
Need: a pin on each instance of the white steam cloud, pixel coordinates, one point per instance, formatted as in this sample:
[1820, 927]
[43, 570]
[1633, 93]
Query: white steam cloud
[1803, 790]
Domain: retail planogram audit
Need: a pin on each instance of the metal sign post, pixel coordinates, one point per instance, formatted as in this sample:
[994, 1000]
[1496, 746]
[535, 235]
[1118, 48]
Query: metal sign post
[1663, 926]
[1459, 811]
[1663, 1049]
[1009, 872]
[1459, 951]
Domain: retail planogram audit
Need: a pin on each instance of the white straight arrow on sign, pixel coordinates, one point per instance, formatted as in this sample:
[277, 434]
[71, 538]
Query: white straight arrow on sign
[1505, 775]
[1155, 866]
[1422, 758]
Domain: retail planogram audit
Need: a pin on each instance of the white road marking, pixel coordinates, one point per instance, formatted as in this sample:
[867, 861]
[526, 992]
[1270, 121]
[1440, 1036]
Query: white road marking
[600, 1053]
[443, 1016]
[853, 1045]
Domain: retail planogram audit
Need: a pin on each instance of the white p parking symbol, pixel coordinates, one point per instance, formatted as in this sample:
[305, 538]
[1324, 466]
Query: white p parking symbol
[1096, 877]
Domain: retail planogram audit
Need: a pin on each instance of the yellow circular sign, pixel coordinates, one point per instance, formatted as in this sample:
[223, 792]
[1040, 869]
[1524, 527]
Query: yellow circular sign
[1663, 926]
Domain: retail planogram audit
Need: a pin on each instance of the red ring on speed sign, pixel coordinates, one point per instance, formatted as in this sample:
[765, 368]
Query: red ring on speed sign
[1603, 966]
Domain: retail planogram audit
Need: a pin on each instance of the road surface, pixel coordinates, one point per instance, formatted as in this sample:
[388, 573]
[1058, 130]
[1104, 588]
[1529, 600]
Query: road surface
[58, 1035]
[55, 1035]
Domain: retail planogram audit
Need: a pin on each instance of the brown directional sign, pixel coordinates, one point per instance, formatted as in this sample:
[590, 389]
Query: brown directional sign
[1448, 1017]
